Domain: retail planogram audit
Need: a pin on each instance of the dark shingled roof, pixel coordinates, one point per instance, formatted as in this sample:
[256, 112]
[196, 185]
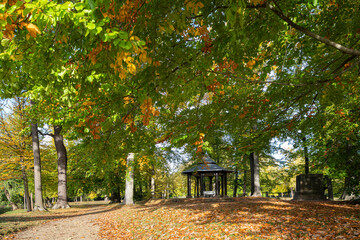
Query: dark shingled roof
[207, 165]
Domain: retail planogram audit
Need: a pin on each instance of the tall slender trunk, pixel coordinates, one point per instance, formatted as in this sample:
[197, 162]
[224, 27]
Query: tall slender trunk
[129, 184]
[152, 182]
[244, 184]
[26, 189]
[329, 188]
[27, 204]
[236, 182]
[306, 156]
[31, 201]
[62, 201]
[255, 175]
[37, 168]
[141, 189]
[347, 193]
[8, 196]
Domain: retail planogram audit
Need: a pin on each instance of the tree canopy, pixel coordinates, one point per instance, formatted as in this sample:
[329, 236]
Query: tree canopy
[127, 75]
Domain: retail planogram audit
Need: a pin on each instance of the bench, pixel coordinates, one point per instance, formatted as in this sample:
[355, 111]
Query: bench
[209, 193]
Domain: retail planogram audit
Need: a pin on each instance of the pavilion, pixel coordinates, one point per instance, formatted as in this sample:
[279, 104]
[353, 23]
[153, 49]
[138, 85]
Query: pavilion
[207, 168]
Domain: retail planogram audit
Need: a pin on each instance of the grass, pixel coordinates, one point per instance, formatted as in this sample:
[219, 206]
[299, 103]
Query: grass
[4, 209]
[14, 221]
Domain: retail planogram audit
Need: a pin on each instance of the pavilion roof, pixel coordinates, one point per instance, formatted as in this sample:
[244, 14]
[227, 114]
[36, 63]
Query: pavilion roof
[207, 165]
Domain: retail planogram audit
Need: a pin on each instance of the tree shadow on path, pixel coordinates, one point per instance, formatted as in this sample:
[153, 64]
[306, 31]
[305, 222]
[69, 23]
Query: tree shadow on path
[75, 211]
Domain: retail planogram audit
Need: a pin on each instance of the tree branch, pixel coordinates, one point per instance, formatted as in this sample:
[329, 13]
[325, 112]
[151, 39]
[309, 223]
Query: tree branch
[269, 82]
[313, 35]
[46, 134]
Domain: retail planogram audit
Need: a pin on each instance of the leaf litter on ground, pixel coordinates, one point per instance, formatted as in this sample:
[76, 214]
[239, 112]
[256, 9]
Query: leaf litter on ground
[232, 218]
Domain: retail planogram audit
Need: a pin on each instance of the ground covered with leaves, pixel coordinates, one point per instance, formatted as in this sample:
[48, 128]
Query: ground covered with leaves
[232, 218]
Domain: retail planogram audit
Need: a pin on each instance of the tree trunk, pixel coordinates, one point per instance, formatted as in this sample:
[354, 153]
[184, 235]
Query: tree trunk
[236, 182]
[244, 185]
[306, 156]
[8, 196]
[129, 184]
[37, 168]
[27, 204]
[115, 196]
[329, 188]
[31, 201]
[152, 183]
[26, 190]
[62, 201]
[347, 193]
[255, 176]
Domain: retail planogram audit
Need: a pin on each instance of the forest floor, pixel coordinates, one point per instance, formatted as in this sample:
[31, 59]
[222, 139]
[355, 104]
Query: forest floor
[205, 218]
[232, 218]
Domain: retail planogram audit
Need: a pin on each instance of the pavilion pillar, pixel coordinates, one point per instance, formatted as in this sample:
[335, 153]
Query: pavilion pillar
[202, 184]
[217, 191]
[189, 186]
[225, 184]
[197, 187]
[210, 183]
[222, 185]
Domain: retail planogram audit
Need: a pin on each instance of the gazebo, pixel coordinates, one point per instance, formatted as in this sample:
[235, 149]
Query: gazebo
[207, 168]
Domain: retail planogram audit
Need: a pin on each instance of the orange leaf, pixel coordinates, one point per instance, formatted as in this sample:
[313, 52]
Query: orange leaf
[33, 29]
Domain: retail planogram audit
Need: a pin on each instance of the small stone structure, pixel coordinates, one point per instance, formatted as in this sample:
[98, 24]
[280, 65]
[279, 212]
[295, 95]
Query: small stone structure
[309, 187]
[207, 168]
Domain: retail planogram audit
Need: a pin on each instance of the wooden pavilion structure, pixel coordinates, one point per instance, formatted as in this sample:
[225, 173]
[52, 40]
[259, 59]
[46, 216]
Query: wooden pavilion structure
[207, 168]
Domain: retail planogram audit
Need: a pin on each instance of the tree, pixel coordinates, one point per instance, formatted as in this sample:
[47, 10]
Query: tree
[204, 65]
[255, 177]
[7, 187]
[129, 184]
[14, 145]
[37, 168]
[62, 201]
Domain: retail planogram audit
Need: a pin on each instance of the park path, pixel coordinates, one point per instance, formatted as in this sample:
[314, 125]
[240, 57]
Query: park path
[81, 226]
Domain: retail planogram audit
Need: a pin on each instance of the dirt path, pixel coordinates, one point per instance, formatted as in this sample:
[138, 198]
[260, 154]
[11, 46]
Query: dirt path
[81, 226]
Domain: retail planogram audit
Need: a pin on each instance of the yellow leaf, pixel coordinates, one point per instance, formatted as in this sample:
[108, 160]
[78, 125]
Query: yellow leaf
[131, 68]
[250, 64]
[33, 29]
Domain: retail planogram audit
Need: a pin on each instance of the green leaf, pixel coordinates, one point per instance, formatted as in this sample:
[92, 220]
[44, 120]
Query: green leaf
[79, 6]
[8, 19]
[11, 10]
[90, 78]
[123, 35]
[19, 4]
[91, 25]
[98, 30]
[125, 44]
[5, 42]
[30, 5]
[26, 11]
